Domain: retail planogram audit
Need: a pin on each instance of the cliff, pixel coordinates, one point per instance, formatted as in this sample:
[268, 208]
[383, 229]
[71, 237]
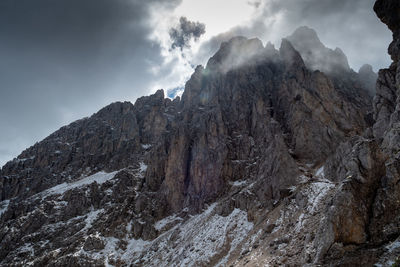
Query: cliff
[270, 157]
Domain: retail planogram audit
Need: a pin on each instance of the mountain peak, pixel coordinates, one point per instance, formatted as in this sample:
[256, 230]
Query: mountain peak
[234, 53]
[366, 68]
[306, 36]
[315, 54]
[289, 54]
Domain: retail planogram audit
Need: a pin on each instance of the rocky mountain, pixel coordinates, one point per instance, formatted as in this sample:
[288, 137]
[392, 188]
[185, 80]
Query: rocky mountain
[271, 157]
[316, 55]
[332, 62]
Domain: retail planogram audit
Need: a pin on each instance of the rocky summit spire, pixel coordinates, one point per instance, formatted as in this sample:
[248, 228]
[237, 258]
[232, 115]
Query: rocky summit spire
[315, 54]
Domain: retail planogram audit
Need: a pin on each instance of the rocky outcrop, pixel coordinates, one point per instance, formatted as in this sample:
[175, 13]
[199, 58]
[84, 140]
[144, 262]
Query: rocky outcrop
[385, 223]
[110, 140]
[274, 99]
[361, 219]
[386, 218]
[249, 131]
[357, 166]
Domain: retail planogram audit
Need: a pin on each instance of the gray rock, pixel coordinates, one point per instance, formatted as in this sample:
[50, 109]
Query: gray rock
[244, 127]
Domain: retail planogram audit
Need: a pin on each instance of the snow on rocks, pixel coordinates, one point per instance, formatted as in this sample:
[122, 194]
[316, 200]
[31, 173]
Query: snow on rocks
[100, 178]
[143, 167]
[189, 243]
[320, 172]
[159, 225]
[287, 234]
[316, 192]
[239, 183]
[391, 254]
[4, 206]
[90, 218]
[146, 146]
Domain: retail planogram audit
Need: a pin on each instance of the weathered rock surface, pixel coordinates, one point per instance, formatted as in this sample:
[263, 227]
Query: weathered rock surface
[359, 218]
[109, 140]
[229, 174]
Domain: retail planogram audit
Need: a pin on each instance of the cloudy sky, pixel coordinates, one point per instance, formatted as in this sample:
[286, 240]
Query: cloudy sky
[62, 60]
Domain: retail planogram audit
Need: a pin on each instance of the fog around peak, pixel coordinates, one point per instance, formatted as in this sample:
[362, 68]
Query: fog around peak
[315, 54]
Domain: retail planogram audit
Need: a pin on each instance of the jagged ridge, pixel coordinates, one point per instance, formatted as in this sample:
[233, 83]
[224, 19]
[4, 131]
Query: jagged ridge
[249, 131]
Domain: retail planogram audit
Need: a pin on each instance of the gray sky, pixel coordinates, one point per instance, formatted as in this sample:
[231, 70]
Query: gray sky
[62, 60]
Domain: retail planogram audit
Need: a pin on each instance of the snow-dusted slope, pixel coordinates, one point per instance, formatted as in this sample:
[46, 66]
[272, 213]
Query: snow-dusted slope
[217, 236]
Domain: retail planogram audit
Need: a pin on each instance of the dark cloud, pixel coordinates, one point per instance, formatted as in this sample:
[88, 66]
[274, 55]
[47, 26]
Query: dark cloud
[185, 32]
[62, 60]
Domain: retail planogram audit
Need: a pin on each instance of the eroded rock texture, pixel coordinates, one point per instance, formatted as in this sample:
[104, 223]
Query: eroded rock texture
[362, 219]
[260, 161]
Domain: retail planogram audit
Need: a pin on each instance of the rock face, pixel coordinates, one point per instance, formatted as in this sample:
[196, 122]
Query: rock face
[386, 105]
[228, 174]
[362, 218]
[103, 142]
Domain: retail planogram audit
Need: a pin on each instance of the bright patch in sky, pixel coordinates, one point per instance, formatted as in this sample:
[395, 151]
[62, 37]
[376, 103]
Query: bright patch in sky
[218, 15]
[218, 18]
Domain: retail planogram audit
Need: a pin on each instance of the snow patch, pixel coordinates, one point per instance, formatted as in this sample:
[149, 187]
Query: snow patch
[146, 146]
[393, 246]
[24, 159]
[303, 179]
[279, 222]
[4, 206]
[112, 252]
[100, 178]
[27, 248]
[390, 255]
[238, 234]
[320, 172]
[135, 246]
[90, 218]
[203, 235]
[167, 220]
[239, 183]
[192, 242]
[142, 167]
[299, 224]
[315, 193]
[129, 227]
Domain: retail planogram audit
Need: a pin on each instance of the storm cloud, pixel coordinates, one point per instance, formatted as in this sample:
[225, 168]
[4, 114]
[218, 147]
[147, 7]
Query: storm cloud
[62, 60]
[185, 32]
